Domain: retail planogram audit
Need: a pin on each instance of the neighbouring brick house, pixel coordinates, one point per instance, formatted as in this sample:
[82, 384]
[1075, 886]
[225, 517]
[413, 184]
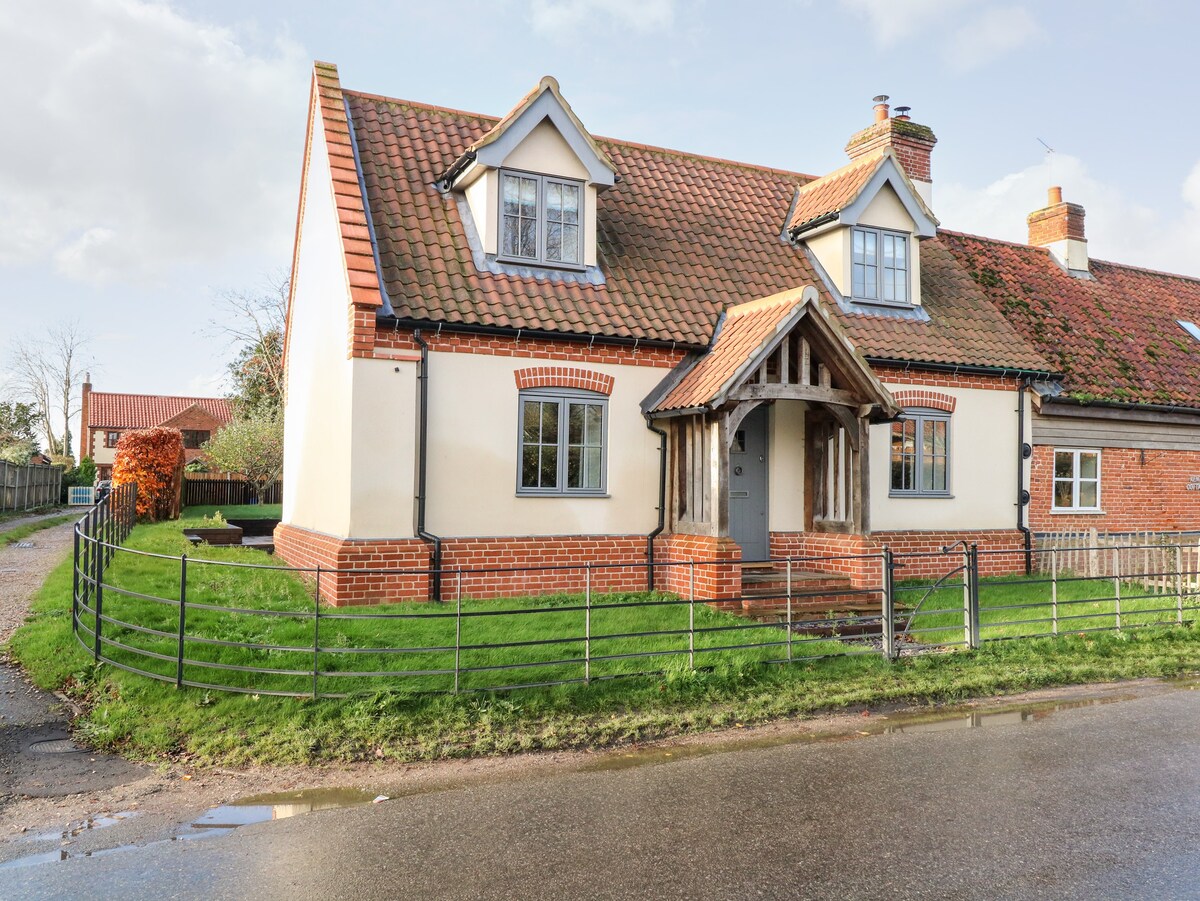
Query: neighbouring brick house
[105, 415]
[528, 346]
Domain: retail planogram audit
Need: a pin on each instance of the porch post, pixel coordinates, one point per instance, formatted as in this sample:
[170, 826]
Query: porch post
[720, 477]
[862, 478]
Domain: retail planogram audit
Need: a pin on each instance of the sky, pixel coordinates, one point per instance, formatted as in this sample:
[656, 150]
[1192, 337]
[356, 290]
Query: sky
[153, 149]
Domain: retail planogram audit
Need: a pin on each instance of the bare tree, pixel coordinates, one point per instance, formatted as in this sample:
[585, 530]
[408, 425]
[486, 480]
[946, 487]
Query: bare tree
[47, 371]
[254, 320]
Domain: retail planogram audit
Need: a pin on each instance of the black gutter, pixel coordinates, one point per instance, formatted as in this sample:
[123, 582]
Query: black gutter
[422, 457]
[662, 501]
[1024, 452]
[456, 168]
[541, 334]
[796, 231]
[1068, 401]
[1035, 374]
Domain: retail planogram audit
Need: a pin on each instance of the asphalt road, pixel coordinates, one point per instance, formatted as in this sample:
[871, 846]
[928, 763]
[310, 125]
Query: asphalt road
[1100, 801]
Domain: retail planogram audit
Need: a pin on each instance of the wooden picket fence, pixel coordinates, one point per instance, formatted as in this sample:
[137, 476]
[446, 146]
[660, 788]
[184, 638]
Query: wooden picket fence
[1154, 559]
[27, 487]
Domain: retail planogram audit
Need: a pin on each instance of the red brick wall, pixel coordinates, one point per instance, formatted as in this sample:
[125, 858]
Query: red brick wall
[848, 551]
[935, 379]
[1001, 551]
[1139, 491]
[618, 564]
[349, 584]
[557, 351]
[718, 573]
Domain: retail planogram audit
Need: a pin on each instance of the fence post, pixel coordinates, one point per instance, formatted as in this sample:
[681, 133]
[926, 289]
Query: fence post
[98, 597]
[316, 630]
[457, 633]
[75, 578]
[1054, 590]
[182, 618]
[692, 615]
[1178, 585]
[1116, 568]
[971, 590]
[789, 609]
[587, 624]
[889, 605]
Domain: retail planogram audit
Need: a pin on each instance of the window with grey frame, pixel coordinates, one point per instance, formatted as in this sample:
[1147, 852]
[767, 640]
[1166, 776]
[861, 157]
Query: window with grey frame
[541, 219]
[879, 264]
[563, 442]
[921, 454]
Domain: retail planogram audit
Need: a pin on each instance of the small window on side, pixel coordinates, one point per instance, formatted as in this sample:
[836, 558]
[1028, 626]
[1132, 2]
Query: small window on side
[879, 266]
[1076, 480]
[541, 220]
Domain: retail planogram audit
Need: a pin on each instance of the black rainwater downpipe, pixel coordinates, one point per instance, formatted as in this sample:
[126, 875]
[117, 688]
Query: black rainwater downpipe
[422, 457]
[662, 501]
[1024, 452]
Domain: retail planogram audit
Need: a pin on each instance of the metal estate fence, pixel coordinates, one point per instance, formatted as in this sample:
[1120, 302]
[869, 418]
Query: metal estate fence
[224, 624]
[27, 487]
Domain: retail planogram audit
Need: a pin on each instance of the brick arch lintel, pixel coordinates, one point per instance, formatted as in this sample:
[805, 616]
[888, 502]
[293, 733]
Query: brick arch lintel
[564, 377]
[922, 397]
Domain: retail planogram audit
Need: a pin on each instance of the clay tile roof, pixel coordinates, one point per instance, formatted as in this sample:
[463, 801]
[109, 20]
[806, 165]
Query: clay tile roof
[145, 411]
[747, 329]
[681, 238]
[834, 192]
[1115, 337]
[352, 217]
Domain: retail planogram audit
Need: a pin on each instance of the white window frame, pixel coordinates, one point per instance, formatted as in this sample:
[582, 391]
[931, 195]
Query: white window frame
[563, 397]
[1075, 480]
[542, 222]
[919, 416]
[880, 234]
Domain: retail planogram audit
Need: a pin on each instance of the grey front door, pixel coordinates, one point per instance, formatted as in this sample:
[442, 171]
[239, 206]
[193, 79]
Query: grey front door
[748, 486]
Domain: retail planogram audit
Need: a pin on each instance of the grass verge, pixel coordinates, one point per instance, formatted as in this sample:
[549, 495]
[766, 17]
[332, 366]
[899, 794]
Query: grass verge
[8, 515]
[151, 720]
[21, 532]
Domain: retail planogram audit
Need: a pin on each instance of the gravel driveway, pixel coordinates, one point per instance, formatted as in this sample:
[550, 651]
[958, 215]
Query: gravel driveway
[22, 571]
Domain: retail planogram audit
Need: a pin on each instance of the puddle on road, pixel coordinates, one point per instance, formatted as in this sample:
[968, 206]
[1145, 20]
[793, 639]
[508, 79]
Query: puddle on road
[216, 821]
[96, 822]
[279, 806]
[946, 720]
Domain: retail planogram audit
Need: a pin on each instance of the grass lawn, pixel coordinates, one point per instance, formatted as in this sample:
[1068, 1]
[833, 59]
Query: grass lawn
[12, 536]
[383, 717]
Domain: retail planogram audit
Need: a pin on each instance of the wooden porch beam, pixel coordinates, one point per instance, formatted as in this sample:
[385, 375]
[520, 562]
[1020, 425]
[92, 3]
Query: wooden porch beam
[812, 393]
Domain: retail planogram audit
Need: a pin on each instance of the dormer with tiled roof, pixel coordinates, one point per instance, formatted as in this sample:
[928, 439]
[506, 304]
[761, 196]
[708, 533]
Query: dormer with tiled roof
[528, 188]
[863, 223]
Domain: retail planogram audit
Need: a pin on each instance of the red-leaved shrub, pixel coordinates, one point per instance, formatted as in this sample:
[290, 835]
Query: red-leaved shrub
[152, 459]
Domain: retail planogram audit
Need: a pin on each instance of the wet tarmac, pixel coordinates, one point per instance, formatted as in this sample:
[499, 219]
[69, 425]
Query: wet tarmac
[1092, 797]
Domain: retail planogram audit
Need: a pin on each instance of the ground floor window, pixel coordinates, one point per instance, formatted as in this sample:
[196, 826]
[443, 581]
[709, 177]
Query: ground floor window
[1076, 479]
[921, 454]
[563, 442]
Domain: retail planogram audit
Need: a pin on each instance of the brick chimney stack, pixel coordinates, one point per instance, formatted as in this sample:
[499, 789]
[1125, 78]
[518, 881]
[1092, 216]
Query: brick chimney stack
[85, 436]
[1058, 226]
[912, 144]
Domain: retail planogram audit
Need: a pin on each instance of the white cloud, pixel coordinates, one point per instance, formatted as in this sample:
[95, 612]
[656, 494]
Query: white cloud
[568, 17]
[140, 140]
[1118, 227]
[893, 21]
[214, 384]
[995, 33]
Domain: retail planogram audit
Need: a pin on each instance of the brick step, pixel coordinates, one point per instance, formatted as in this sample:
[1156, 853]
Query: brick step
[768, 581]
[852, 604]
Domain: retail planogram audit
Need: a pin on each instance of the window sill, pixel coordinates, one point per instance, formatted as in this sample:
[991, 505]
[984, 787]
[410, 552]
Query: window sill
[888, 304]
[541, 264]
[1076, 511]
[921, 495]
[564, 495]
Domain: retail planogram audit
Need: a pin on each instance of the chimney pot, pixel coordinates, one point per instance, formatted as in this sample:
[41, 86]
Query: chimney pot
[881, 112]
[1055, 196]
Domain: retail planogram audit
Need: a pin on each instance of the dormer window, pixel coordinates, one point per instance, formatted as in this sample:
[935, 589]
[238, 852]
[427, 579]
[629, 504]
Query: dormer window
[880, 266]
[541, 219]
